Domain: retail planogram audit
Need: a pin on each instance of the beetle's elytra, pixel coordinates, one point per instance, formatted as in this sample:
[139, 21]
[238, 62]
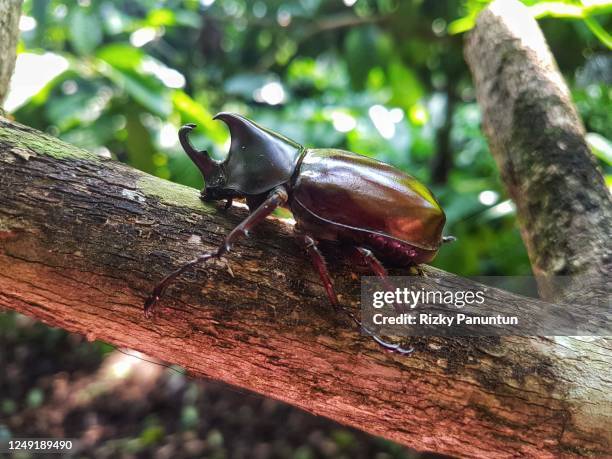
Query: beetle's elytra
[379, 213]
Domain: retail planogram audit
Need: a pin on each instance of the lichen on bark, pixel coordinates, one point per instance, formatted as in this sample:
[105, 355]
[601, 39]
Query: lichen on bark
[172, 193]
[27, 141]
[9, 33]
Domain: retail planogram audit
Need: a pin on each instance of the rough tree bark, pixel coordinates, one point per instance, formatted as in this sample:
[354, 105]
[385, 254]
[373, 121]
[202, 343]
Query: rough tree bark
[83, 239]
[9, 33]
[537, 139]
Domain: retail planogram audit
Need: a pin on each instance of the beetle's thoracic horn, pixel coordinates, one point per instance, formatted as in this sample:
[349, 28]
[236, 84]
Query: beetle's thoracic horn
[247, 134]
[208, 166]
[258, 159]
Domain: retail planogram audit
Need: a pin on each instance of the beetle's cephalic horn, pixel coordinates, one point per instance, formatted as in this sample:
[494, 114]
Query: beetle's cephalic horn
[208, 166]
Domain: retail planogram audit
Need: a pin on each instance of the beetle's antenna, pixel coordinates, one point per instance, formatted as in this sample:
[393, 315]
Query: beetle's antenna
[208, 166]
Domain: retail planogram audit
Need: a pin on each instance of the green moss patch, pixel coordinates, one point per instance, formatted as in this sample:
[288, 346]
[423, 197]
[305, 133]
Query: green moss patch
[38, 143]
[172, 193]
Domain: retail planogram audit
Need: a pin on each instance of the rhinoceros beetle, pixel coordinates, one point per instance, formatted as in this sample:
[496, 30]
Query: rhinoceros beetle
[378, 213]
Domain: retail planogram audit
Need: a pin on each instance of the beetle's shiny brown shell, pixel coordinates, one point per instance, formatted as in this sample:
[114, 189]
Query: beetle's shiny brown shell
[352, 192]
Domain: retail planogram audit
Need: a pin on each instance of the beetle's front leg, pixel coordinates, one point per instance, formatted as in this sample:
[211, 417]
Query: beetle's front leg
[276, 198]
[318, 262]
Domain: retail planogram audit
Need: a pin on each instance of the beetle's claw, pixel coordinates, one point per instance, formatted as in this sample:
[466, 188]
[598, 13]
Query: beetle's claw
[189, 126]
[148, 306]
[447, 239]
[392, 347]
[152, 300]
[385, 344]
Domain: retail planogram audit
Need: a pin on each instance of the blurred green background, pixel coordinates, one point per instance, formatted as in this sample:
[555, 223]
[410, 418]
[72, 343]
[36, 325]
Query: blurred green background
[379, 77]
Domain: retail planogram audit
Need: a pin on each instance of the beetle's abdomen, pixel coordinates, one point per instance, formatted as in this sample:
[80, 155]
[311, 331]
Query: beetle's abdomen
[397, 253]
[356, 192]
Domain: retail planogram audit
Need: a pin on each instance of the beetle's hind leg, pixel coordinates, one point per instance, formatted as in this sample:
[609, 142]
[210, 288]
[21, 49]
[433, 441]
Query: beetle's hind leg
[310, 246]
[367, 258]
[276, 198]
[318, 262]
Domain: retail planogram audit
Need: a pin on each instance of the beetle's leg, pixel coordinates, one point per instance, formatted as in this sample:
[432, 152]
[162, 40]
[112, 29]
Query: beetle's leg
[369, 259]
[387, 345]
[276, 198]
[228, 203]
[310, 246]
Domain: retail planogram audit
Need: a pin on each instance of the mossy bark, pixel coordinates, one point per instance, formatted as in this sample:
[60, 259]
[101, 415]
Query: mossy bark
[83, 240]
[537, 139]
[9, 33]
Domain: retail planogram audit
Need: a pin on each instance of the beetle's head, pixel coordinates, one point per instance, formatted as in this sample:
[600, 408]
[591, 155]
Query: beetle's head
[258, 160]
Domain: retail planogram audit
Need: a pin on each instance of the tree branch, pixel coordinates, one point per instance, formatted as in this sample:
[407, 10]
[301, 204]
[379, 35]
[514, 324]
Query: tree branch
[9, 33]
[537, 139]
[84, 239]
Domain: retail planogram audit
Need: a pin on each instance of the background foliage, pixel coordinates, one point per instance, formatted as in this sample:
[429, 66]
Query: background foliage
[380, 77]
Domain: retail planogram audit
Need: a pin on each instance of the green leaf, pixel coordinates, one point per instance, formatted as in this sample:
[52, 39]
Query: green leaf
[123, 69]
[121, 56]
[461, 25]
[569, 10]
[91, 136]
[84, 31]
[556, 10]
[148, 91]
[115, 21]
[406, 87]
[145, 89]
[599, 31]
[160, 17]
[244, 84]
[191, 111]
[539, 9]
[70, 109]
[188, 19]
[596, 7]
[140, 147]
[365, 48]
[600, 146]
